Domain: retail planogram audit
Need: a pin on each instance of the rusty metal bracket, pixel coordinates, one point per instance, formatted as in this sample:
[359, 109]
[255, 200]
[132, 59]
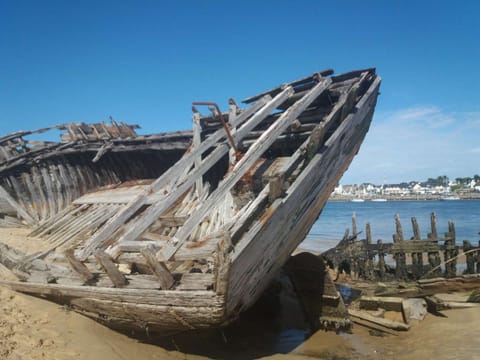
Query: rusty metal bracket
[222, 120]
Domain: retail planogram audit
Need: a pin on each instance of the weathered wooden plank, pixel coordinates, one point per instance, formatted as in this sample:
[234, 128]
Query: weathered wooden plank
[40, 189]
[154, 297]
[87, 227]
[154, 317]
[6, 208]
[390, 324]
[158, 268]
[58, 191]
[117, 278]
[67, 184]
[384, 302]
[282, 226]
[19, 209]
[152, 213]
[56, 222]
[196, 281]
[201, 249]
[132, 246]
[23, 198]
[50, 198]
[277, 89]
[78, 266]
[168, 176]
[74, 225]
[253, 153]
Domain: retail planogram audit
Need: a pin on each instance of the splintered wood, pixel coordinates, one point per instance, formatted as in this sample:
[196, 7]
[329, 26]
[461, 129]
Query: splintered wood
[183, 230]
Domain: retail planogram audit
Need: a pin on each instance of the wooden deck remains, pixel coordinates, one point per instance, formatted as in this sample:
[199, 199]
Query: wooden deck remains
[183, 230]
[368, 260]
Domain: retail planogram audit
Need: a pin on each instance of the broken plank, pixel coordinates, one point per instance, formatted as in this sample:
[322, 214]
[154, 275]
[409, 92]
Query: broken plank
[152, 213]
[78, 266]
[19, 209]
[250, 157]
[158, 268]
[196, 281]
[390, 324]
[117, 278]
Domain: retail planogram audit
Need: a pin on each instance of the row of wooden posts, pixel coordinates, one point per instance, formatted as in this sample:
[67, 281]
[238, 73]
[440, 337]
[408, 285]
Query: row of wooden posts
[367, 260]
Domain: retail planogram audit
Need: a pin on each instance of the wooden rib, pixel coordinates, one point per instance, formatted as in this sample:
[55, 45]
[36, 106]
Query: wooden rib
[58, 188]
[250, 157]
[56, 222]
[117, 278]
[134, 231]
[19, 209]
[158, 268]
[39, 189]
[34, 196]
[52, 208]
[153, 212]
[78, 266]
[21, 193]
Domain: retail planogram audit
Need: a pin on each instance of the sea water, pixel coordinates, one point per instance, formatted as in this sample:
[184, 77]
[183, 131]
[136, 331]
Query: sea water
[337, 216]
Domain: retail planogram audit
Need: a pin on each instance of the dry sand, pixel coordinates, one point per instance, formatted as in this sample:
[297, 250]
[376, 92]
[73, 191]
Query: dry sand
[32, 328]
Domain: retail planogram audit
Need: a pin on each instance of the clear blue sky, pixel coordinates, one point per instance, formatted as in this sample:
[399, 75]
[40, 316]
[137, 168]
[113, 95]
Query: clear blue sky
[145, 62]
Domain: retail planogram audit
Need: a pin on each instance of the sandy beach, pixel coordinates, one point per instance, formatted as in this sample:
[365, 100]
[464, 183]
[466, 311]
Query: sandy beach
[32, 328]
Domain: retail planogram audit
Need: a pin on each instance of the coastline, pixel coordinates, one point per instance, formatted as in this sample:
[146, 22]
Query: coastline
[417, 197]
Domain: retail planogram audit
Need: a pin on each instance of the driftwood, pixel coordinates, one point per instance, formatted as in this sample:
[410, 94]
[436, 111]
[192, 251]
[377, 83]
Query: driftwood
[385, 323]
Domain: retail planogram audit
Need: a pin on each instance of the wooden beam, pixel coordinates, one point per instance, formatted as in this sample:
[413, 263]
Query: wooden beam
[104, 234]
[118, 279]
[153, 212]
[158, 268]
[250, 157]
[14, 204]
[390, 324]
[78, 266]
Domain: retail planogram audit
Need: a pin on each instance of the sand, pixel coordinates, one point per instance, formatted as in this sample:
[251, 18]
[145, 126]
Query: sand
[32, 328]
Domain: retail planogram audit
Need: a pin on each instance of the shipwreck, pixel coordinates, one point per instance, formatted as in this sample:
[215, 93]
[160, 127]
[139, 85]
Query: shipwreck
[182, 230]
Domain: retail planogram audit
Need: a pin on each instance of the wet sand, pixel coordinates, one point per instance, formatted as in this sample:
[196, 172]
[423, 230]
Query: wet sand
[32, 328]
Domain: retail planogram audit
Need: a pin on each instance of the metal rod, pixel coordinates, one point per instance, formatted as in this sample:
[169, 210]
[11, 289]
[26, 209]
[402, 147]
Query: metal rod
[229, 135]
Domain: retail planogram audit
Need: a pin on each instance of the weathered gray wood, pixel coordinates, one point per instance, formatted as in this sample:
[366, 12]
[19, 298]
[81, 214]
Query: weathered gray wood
[132, 246]
[152, 213]
[416, 230]
[40, 189]
[9, 221]
[78, 266]
[7, 274]
[197, 130]
[384, 302]
[57, 222]
[117, 278]
[390, 324]
[201, 249]
[158, 268]
[307, 79]
[154, 297]
[19, 209]
[59, 197]
[47, 181]
[23, 198]
[253, 153]
[6, 208]
[285, 223]
[196, 281]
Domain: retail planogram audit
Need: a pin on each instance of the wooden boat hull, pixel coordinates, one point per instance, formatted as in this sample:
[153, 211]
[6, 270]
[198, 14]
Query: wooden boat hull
[245, 254]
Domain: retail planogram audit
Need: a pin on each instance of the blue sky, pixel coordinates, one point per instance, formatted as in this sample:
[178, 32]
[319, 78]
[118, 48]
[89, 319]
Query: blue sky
[145, 62]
